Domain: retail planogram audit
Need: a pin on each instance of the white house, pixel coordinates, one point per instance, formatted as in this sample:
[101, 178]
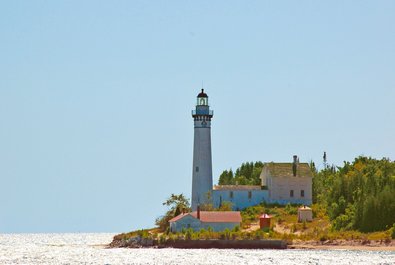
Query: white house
[197, 220]
[280, 183]
[288, 182]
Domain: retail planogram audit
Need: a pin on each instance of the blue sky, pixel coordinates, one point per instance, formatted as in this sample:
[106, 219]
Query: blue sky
[95, 99]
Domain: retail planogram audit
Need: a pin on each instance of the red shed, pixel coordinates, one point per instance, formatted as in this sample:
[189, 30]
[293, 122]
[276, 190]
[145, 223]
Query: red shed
[264, 221]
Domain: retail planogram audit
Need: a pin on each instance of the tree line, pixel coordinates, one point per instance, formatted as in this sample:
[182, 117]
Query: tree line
[358, 195]
[247, 174]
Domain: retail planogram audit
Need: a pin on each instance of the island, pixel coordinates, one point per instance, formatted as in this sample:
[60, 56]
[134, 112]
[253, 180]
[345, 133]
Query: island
[289, 204]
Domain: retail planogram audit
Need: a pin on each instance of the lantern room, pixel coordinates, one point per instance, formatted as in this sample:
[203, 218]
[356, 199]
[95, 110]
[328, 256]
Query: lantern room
[202, 99]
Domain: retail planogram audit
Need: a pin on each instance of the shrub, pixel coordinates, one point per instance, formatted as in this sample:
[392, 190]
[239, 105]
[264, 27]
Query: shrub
[272, 211]
[323, 237]
[162, 239]
[227, 233]
[246, 235]
[188, 233]
[226, 206]
[143, 233]
[319, 211]
[172, 237]
[259, 234]
[290, 210]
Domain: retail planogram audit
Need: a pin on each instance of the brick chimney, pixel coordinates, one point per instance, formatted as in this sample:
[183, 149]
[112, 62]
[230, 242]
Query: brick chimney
[198, 212]
[295, 165]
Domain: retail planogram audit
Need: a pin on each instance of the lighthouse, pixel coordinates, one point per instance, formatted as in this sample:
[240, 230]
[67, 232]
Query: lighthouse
[202, 173]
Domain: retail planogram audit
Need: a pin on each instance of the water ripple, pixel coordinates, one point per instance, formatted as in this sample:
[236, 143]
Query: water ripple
[88, 249]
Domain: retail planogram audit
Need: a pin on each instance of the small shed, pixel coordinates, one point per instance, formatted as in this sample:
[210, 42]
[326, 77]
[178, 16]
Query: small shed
[264, 221]
[305, 214]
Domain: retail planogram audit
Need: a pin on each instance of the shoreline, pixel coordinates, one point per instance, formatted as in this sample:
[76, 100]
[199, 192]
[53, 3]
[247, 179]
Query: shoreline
[257, 244]
[378, 245]
[138, 242]
[342, 247]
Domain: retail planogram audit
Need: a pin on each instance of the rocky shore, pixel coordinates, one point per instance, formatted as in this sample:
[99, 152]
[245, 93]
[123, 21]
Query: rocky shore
[133, 242]
[138, 242]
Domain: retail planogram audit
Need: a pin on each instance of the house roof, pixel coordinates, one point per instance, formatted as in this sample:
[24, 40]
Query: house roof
[265, 216]
[178, 217]
[213, 216]
[285, 169]
[236, 187]
[304, 208]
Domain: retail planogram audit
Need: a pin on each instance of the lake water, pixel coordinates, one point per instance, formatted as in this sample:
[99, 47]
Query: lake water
[88, 249]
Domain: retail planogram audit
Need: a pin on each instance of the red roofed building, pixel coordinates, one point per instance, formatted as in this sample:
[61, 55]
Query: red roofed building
[197, 220]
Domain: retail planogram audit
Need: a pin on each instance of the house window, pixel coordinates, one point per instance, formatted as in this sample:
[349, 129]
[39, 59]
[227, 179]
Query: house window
[231, 194]
[249, 195]
[291, 193]
[197, 169]
[302, 193]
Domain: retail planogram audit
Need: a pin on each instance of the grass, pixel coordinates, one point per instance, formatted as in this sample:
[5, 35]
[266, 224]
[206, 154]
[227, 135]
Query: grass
[145, 233]
[284, 225]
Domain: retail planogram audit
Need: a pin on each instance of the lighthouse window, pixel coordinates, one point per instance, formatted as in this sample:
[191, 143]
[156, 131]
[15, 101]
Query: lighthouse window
[197, 169]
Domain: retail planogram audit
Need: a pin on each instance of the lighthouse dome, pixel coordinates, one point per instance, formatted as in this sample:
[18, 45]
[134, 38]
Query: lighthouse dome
[202, 94]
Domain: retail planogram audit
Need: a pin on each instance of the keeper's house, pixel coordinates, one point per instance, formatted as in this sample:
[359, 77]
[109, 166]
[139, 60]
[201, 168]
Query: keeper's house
[282, 183]
[288, 182]
[197, 220]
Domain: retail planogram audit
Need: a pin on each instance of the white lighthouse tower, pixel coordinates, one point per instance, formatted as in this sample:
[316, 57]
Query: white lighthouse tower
[202, 173]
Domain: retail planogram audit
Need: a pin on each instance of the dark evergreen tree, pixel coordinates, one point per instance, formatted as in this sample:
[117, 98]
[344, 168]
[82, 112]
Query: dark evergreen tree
[359, 195]
[247, 174]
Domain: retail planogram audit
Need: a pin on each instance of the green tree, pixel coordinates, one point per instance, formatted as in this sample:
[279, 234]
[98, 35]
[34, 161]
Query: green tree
[247, 174]
[226, 177]
[225, 206]
[359, 195]
[178, 204]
